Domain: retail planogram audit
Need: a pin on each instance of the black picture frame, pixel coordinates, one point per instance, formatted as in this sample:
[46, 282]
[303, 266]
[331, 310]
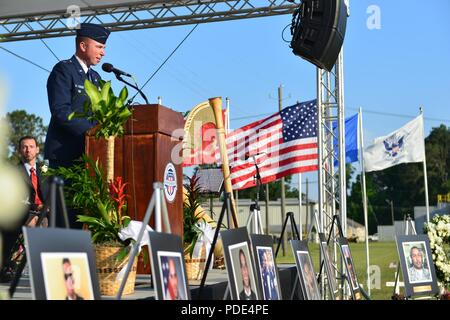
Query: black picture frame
[350, 269]
[237, 249]
[305, 270]
[47, 249]
[266, 266]
[168, 266]
[416, 261]
[328, 266]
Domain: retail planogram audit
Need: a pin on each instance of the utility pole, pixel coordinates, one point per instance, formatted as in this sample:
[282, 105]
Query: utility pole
[392, 212]
[283, 213]
[307, 208]
[236, 196]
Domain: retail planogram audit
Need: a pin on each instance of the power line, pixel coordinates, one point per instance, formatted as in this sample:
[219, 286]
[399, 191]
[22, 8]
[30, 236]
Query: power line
[399, 115]
[45, 44]
[54, 54]
[25, 59]
[164, 62]
[252, 116]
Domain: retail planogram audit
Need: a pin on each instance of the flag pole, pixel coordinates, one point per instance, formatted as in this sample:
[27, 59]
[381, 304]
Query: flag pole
[425, 169]
[227, 128]
[300, 205]
[364, 195]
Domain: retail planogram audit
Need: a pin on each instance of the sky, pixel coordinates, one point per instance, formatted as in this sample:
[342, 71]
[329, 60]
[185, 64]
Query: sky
[390, 69]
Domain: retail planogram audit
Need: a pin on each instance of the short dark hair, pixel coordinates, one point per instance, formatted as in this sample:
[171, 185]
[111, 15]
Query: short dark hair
[28, 138]
[66, 260]
[80, 39]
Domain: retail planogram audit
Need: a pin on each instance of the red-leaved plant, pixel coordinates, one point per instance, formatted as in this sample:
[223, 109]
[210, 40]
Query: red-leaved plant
[117, 191]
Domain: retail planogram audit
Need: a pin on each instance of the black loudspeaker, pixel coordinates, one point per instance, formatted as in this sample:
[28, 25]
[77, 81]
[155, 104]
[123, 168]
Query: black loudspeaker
[318, 30]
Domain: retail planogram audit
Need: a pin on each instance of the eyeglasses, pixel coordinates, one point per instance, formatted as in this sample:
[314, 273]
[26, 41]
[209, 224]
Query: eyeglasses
[67, 276]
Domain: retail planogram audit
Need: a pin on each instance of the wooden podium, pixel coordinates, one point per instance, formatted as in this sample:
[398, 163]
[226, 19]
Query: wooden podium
[152, 141]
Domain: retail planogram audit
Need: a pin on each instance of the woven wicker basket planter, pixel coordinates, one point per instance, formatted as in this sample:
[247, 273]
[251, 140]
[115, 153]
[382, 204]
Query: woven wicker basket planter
[194, 267]
[108, 269]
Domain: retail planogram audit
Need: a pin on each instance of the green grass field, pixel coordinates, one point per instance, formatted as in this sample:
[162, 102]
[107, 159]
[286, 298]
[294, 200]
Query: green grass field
[382, 254]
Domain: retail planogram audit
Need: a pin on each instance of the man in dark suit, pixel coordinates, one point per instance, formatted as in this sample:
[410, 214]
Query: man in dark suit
[32, 172]
[65, 87]
[37, 195]
[173, 291]
[268, 275]
[69, 281]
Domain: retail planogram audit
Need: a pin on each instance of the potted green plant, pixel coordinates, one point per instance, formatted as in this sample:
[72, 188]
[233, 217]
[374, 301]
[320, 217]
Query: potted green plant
[110, 112]
[192, 214]
[194, 217]
[102, 200]
[103, 206]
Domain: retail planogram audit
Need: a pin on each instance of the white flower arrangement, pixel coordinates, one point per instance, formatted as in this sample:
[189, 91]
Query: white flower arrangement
[438, 230]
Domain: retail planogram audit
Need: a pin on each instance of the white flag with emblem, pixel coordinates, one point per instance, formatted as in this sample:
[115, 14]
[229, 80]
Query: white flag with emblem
[401, 146]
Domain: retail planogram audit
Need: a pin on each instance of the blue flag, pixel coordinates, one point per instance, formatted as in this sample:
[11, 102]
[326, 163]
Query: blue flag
[351, 139]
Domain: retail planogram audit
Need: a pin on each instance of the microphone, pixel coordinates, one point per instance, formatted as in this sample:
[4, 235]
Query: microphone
[108, 67]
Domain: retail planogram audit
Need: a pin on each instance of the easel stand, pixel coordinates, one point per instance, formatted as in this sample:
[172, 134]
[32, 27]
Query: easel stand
[334, 222]
[294, 230]
[158, 203]
[56, 198]
[296, 235]
[408, 231]
[57, 193]
[255, 210]
[343, 277]
[226, 207]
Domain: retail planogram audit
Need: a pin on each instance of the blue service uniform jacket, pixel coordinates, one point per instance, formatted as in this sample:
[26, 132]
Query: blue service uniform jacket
[65, 87]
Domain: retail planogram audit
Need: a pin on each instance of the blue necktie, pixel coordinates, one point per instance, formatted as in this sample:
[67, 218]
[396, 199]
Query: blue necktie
[89, 75]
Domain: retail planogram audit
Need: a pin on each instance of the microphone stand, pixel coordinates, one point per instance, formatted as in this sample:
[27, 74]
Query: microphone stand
[133, 86]
[255, 208]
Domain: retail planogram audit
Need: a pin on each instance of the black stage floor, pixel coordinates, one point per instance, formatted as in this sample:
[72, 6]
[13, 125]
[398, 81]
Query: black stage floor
[214, 289]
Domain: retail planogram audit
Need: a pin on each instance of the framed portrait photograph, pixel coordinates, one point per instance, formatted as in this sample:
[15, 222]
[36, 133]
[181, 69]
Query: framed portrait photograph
[305, 270]
[244, 285]
[172, 277]
[62, 264]
[350, 268]
[266, 267]
[67, 276]
[328, 266]
[417, 265]
[168, 267]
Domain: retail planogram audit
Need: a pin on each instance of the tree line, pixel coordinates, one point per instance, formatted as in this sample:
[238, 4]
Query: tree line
[22, 124]
[403, 184]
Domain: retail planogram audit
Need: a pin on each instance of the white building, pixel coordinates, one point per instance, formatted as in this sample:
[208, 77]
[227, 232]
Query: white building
[354, 230]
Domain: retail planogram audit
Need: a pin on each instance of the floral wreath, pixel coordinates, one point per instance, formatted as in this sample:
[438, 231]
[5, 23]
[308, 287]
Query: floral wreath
[438, 230]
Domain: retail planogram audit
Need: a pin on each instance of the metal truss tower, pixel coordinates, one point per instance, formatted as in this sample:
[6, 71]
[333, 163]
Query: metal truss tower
[129, 15]
[332, 184]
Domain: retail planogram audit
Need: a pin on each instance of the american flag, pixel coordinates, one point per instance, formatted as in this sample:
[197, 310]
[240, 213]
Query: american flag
[283, 144]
